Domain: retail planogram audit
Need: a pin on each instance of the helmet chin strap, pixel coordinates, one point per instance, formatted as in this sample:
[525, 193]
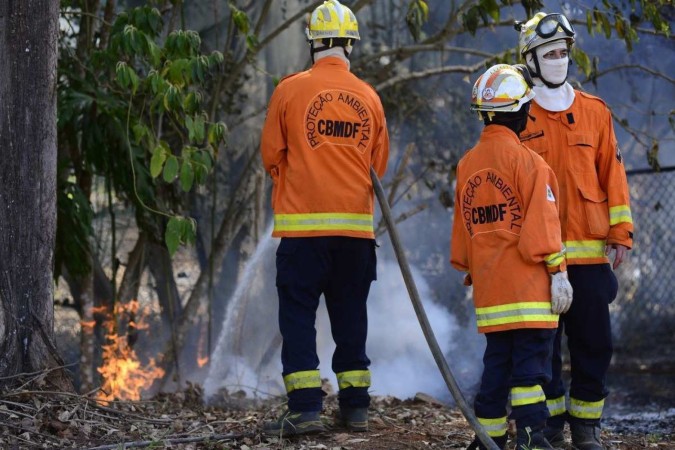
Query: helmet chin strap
[313, 50]
[537, 73]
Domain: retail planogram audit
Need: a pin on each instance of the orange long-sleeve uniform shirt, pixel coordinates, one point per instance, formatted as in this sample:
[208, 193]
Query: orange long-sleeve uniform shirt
[580, 146]
[324, 129]
[506, 232]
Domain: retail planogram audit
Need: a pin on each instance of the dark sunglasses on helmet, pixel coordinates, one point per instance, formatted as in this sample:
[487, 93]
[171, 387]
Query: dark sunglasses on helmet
[548, 25]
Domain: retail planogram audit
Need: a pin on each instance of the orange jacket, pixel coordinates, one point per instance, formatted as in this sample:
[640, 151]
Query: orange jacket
[506, 232]
[324, 129]
[580, 146]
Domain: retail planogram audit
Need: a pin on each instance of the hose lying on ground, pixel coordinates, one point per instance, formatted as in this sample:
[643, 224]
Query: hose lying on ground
[424, 322]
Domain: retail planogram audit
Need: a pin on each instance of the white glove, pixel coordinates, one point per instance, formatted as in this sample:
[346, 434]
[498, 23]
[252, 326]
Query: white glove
[561, 293]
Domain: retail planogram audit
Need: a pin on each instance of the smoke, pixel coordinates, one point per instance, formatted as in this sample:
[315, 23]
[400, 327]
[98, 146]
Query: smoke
[247, 352]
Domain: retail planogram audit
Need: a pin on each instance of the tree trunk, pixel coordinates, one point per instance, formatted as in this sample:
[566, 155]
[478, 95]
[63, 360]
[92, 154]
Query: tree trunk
[28, 51]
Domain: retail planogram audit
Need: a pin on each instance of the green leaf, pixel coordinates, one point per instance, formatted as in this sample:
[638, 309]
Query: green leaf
[172, 101]
[470, 20]
[192, 102]
[491, 7]
[187, 175]
[188, 230]
[140, 131]
[172, 235]
[153, 51]
[417, 15]
[582, 60]
[240, 19]
[122, 74]
[199, 128]
[170, 169]
[157, 161]
[155, 20]
[252, 42]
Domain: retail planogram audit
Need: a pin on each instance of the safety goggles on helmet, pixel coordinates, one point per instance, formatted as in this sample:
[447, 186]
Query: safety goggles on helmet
[548, 26]
[542, 29]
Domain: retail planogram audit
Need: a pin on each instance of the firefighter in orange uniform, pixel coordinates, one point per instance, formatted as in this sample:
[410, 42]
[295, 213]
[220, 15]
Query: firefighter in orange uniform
[574, 134]
[506, 236]
[324, 129]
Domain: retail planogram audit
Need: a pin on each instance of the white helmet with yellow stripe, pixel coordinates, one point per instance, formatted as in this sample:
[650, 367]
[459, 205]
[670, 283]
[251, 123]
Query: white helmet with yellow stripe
[332, 20]
[502, 88]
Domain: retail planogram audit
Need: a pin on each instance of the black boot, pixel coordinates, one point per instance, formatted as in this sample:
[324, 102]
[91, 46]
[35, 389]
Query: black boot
[355, 419]
[295, 422]
[477, 444]
[529, 438]
[554, 432]
[586, 435]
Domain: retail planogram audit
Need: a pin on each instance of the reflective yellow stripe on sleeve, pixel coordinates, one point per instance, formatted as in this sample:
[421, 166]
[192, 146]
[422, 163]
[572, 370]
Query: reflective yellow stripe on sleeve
[620, 214]
[585, 249]
[586, 410]
[494, 427]
[555, 259]
[302, 380]
[515, 312]
[556, 406]
[527, 395]
[323, 222]
[354, 378]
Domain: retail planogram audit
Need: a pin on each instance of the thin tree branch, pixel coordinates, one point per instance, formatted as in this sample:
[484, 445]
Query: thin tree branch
[429, 73]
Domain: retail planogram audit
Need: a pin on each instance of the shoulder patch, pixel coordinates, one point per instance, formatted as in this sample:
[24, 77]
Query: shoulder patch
[549, 194]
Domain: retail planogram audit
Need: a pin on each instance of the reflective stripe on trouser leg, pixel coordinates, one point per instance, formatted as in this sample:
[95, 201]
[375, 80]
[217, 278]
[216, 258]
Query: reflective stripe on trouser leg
[302, 380]
[354, 378]
[580, 409]
[527, 395]
[494, 427]
[556, 406]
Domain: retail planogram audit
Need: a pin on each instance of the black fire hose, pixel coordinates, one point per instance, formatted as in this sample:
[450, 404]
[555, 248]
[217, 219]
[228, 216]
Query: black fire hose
[424, 322]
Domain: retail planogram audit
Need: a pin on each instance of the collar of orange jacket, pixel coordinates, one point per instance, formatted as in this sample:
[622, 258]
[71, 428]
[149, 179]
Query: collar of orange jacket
[331, 61]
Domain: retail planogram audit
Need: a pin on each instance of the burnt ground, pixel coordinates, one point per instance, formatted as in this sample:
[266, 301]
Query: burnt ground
[33, 417]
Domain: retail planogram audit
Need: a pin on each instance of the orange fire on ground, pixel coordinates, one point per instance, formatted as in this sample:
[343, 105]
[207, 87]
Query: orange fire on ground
[201, 349]
[124, 377]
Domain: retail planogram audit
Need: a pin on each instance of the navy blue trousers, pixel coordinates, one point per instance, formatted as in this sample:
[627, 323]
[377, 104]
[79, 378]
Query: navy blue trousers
[515, 358]
[342, 269]
[589, 336]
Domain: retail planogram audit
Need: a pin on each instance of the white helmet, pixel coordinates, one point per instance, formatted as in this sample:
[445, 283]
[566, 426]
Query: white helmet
[502, 88]
[544, 28]
[332, 20]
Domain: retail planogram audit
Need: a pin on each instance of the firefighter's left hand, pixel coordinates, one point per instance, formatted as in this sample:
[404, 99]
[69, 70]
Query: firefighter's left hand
[561, 293]
[619, 254]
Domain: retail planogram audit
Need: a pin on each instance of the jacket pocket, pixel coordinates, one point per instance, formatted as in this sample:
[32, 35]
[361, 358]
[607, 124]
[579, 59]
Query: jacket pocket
[595, 207]
[583, 149]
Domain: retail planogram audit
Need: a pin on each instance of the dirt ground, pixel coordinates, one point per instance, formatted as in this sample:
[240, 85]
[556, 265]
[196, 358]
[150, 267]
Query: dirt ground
[35, 417]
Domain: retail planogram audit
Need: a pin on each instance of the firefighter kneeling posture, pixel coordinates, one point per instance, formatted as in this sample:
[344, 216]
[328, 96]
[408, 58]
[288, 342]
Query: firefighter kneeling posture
[324, 129]
[515, 260]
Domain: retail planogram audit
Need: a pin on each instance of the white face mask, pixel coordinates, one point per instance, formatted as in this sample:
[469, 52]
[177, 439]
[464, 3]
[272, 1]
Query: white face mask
[554, 70]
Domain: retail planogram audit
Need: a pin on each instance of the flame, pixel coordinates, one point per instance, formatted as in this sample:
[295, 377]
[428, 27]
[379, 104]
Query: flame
[201, 346]
[124, 377]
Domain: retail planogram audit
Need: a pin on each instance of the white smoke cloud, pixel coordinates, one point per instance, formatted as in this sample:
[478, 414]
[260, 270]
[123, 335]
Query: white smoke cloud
[248, 349]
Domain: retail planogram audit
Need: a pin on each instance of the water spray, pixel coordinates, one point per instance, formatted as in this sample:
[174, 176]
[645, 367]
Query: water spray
[448, 377]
